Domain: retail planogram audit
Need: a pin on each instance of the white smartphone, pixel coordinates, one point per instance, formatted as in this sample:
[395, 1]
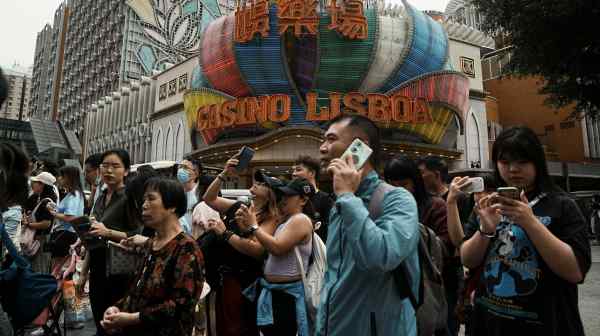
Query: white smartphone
[475, 185]
[359, 151]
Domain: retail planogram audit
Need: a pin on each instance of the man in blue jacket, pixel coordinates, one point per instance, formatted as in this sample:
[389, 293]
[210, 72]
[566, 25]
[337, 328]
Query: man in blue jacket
[359, 296]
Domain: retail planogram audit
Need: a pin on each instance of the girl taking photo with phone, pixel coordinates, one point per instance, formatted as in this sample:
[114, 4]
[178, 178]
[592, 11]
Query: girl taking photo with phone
[233, 257]
[533, 250]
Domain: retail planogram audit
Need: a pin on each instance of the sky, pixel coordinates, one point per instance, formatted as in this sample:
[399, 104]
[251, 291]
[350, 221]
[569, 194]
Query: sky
[21, 20]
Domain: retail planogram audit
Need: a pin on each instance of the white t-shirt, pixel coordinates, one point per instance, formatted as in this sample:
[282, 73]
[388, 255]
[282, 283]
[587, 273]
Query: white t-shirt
[202, 213]
[186, 220]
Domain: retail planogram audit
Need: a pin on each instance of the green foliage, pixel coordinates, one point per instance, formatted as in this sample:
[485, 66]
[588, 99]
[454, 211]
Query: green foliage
[558, 40]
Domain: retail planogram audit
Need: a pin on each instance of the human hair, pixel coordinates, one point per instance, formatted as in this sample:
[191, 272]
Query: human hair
[121, 153]
[368, 128]
[170, 191]
[270, 208]
[94, 160]
[520, 143]
[134, 192]
[146, 170]
[311, 163]
[13, 175]
[73, 177]
[3, 88]
[435, 163]
[48, 192]
[402, 167]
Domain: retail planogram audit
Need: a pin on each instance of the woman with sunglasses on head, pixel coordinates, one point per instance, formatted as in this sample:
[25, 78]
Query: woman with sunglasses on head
[282, 273]
[110, 221]
[233, 258]
[532, 245]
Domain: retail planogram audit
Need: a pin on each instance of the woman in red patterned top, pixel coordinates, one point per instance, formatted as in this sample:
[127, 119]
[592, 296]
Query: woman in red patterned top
[164, 294]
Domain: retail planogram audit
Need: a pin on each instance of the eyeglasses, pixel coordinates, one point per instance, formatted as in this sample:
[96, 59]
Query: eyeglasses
[113, 166]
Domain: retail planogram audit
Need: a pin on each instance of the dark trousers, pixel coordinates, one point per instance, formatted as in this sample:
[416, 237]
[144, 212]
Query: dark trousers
[284, 316]
[105, 292]
[234, 314]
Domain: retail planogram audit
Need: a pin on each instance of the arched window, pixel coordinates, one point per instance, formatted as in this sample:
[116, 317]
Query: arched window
[168, 152]
[159, 147]
[179, 142]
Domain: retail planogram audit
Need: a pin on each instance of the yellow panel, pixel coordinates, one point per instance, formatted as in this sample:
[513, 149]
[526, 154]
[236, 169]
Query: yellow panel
[194, 100]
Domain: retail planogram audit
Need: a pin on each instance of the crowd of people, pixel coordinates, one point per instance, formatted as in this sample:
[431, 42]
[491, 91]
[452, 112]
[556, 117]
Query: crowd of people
[511, 265]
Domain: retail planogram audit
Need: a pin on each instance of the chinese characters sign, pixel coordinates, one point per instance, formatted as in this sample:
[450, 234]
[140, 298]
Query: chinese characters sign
[300, 17]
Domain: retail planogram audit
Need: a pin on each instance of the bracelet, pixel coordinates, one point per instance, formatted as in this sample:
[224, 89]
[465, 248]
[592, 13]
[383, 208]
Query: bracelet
[227, 235]
[485, 234]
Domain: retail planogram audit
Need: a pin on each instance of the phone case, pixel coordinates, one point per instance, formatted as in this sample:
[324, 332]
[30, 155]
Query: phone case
[245, 158]
[359, 151]
[476, 185]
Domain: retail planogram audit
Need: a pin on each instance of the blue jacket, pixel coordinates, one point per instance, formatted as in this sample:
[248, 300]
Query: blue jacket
[359, 296]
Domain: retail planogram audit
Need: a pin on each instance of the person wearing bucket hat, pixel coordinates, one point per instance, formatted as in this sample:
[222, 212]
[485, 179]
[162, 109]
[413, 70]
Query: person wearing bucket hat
[232, 256]
[39, 218]
[281, 292]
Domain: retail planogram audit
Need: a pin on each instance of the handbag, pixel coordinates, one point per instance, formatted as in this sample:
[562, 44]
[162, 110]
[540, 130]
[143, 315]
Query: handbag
[120, 261]
[24, 293]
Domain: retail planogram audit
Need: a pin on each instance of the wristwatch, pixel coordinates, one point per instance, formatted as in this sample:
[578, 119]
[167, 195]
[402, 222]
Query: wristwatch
[485, 234]
[252, 229]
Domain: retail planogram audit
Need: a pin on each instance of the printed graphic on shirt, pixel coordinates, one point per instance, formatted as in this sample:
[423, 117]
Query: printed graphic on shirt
[512, 271]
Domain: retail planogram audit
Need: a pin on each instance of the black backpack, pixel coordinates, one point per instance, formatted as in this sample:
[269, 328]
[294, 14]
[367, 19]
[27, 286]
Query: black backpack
[430, 303]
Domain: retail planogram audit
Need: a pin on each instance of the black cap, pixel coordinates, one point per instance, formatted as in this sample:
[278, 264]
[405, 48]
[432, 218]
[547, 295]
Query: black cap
[272, 182]
[298, 186]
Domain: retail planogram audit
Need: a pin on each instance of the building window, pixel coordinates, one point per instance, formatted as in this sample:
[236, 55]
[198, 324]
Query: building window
[162, 92]
[467, 65]
[183, 82]
[173, 87]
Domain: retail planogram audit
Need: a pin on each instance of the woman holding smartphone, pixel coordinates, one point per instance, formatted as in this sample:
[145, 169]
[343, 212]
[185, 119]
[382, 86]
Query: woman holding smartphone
[533, 249]
[233, 257]
[70, 207]
[110, 222]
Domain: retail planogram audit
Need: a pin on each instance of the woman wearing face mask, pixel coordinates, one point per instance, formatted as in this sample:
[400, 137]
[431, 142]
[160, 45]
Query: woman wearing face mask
[110, 222]
[534, 249]
[187, 175]
[39, 218]
[233, 258]
[282, 274]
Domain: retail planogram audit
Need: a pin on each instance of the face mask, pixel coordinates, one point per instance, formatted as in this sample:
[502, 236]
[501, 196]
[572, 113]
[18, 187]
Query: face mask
[183, 176]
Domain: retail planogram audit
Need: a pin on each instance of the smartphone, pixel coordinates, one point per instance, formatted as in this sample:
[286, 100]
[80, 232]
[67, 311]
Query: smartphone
[244, 158]
[246, 200]
[475, 184]
[509, 192]
[82, 225]
[359, 151]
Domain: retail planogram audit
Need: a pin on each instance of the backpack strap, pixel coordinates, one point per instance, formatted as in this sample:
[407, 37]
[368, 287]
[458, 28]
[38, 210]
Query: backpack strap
[401, 273]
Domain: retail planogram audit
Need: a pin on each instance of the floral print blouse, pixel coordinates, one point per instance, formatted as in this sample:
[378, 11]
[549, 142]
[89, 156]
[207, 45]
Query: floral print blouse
[166, 289]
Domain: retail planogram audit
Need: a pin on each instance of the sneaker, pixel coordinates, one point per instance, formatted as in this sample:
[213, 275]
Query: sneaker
[37, 332]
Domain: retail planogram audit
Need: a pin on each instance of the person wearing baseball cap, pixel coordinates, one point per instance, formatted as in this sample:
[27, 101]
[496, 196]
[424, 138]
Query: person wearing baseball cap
[44, 178]
[281, 292]
[226, 246]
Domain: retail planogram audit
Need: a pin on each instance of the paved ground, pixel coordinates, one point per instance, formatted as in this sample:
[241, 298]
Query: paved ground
[589, 301]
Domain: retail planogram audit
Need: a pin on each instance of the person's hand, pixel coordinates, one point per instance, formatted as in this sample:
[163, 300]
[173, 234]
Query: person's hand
[230, 166]
[99, 230]
[489, 212]
[454, 189]
[517, 210]
[115, 320]
[217, 226]
[246, 217]
[52, 209]
[135, 243]
[345, 176]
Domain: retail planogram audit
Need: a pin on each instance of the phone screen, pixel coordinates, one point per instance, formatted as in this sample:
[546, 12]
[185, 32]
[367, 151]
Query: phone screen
[244, 158]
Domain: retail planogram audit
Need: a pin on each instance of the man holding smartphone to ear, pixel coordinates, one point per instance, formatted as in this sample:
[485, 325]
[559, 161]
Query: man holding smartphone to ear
[360, 296]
